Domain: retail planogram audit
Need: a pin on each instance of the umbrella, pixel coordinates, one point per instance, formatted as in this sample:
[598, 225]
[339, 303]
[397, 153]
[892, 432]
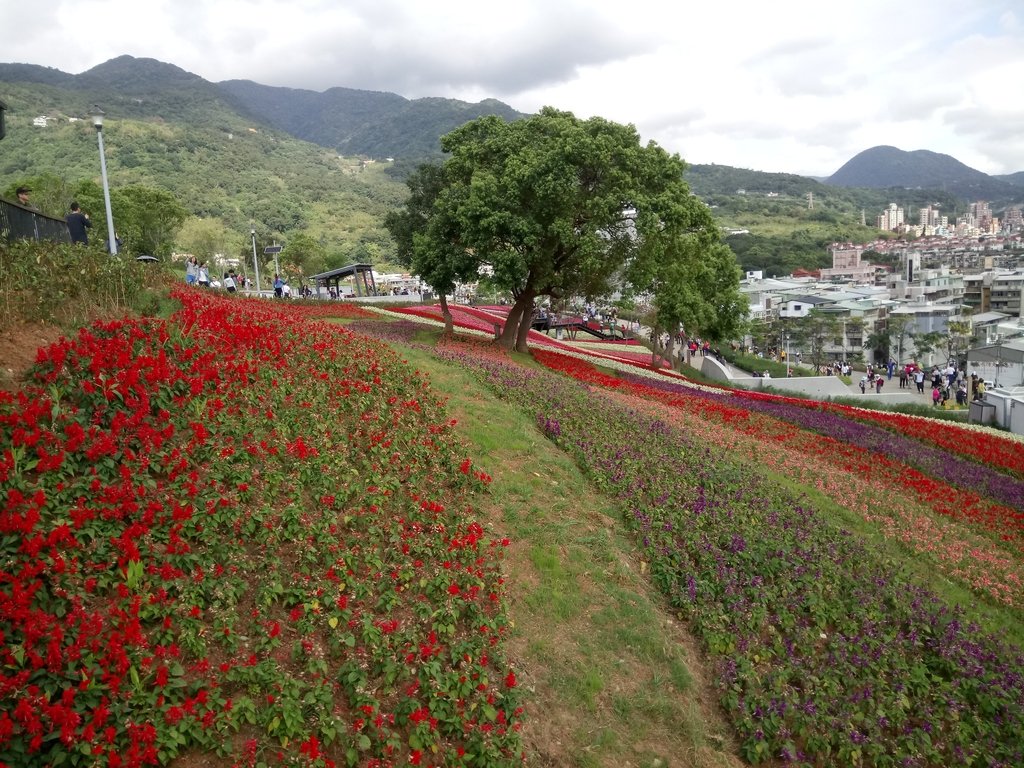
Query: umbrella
[144, 257]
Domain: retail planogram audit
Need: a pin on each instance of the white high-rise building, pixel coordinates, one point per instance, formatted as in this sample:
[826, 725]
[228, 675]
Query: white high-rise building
[891, 218]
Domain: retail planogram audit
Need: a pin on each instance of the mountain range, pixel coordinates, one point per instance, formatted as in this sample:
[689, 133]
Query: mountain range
[379, 125]
[373, 124]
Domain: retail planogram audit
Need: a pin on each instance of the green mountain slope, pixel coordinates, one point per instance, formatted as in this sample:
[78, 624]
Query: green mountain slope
[169, 129]
[357, 122]
[1013, 178]
[779, 222]
[891, 167]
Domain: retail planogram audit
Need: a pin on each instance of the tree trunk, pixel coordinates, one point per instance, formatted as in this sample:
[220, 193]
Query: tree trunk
[525, 322]
[655, 348]
[449, 326]
[510, 333]
[668, 351]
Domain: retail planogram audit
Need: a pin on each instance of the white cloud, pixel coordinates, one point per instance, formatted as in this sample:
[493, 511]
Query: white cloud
[798, 86]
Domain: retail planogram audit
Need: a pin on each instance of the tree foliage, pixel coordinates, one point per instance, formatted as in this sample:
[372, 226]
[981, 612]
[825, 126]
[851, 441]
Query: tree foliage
[206, 239]
[427, 237]
[147, 219]
[813, 332]
[558, 207]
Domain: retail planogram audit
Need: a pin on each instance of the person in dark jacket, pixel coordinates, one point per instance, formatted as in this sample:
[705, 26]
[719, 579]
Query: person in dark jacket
[78, 224]
[23, 193]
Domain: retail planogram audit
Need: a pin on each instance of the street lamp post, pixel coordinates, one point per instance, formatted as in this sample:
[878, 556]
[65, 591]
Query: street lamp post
[97, 120]
[787, 356]
[255, 262]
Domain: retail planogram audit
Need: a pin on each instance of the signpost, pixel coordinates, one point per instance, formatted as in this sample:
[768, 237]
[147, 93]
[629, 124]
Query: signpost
[274, 249]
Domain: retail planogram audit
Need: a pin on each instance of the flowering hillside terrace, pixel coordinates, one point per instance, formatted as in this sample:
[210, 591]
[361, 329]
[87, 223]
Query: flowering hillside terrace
[249, 534]
[828, 651]
[483, 320]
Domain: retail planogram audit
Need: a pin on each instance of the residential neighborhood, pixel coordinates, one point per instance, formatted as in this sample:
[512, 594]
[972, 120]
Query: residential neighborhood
[928, 300]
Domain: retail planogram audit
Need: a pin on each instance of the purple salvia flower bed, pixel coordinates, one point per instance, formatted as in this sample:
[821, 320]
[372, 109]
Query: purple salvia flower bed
[826, 654]
[931, 460]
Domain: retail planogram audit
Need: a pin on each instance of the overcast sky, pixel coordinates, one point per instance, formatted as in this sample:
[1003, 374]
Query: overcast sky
[798, 86]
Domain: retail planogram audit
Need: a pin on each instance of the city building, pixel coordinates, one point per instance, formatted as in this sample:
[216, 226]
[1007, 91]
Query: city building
[1013, 220]
[890, 219]
[939, 286]
[847, 264]
[995, 291]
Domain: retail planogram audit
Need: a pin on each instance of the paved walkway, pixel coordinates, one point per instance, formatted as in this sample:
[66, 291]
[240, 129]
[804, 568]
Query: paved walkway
[891, 390]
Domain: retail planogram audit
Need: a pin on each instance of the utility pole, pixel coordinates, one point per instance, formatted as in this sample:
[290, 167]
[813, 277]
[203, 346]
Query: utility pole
[255, 262]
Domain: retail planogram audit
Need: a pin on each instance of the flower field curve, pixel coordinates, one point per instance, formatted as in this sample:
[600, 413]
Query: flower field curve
[962, 513]
[827, 653]
[247, 533]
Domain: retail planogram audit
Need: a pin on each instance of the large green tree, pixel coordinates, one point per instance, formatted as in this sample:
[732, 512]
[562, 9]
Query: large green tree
[303, 255]
[146, 219]
[559, 206]
[427, 237]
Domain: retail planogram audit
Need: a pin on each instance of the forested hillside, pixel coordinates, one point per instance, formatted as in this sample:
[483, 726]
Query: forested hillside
[355, 122]
[229, 153]
[188, 140]
[787, 222]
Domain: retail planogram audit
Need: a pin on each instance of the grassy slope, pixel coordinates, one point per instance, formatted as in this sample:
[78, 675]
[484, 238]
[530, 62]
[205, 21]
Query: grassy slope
[613, 678]
[575, 531]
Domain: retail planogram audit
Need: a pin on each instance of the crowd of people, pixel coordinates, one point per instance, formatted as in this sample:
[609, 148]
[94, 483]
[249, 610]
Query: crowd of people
[942, 383]
[945, 383]
[198, 273]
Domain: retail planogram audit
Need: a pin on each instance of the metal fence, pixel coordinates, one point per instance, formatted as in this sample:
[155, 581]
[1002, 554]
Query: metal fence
[19, 223]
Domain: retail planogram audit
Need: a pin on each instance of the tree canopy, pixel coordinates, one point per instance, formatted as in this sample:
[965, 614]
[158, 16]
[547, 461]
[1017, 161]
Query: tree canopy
[558, 206]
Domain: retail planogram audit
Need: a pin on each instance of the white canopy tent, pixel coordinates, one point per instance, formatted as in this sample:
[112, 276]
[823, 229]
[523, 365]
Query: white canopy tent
[1001, 363]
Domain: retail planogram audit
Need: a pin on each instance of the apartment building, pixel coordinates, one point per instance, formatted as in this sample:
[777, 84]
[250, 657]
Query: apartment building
[939, 286]
[848, 265]
[890, 219]
[995, 291]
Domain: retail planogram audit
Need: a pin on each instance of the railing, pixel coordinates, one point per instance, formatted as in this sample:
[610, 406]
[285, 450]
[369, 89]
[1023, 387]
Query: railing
[18, 223]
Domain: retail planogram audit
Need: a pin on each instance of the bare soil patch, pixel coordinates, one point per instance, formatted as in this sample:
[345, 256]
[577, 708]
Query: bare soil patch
[19, 344]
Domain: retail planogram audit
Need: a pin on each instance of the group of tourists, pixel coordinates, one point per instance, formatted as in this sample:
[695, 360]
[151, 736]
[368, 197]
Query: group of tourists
[703, 348]
[950, 382]
[871, 380]
[836, 368]
[198, 273]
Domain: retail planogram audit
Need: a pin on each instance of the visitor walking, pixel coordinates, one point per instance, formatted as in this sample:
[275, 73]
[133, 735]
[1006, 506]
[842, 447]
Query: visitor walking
[919, 380]
[78, 225]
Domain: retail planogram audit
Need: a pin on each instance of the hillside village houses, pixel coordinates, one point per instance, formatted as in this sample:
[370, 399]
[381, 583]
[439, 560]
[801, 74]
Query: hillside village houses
[976, 277]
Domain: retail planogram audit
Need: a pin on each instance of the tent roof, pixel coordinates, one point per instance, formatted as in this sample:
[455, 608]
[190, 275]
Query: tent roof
[1011, 351]
[341, 272]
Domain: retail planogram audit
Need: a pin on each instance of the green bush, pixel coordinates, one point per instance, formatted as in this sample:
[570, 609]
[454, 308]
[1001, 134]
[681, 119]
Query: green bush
[910, 409]
[71, 285]
[754, 364]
